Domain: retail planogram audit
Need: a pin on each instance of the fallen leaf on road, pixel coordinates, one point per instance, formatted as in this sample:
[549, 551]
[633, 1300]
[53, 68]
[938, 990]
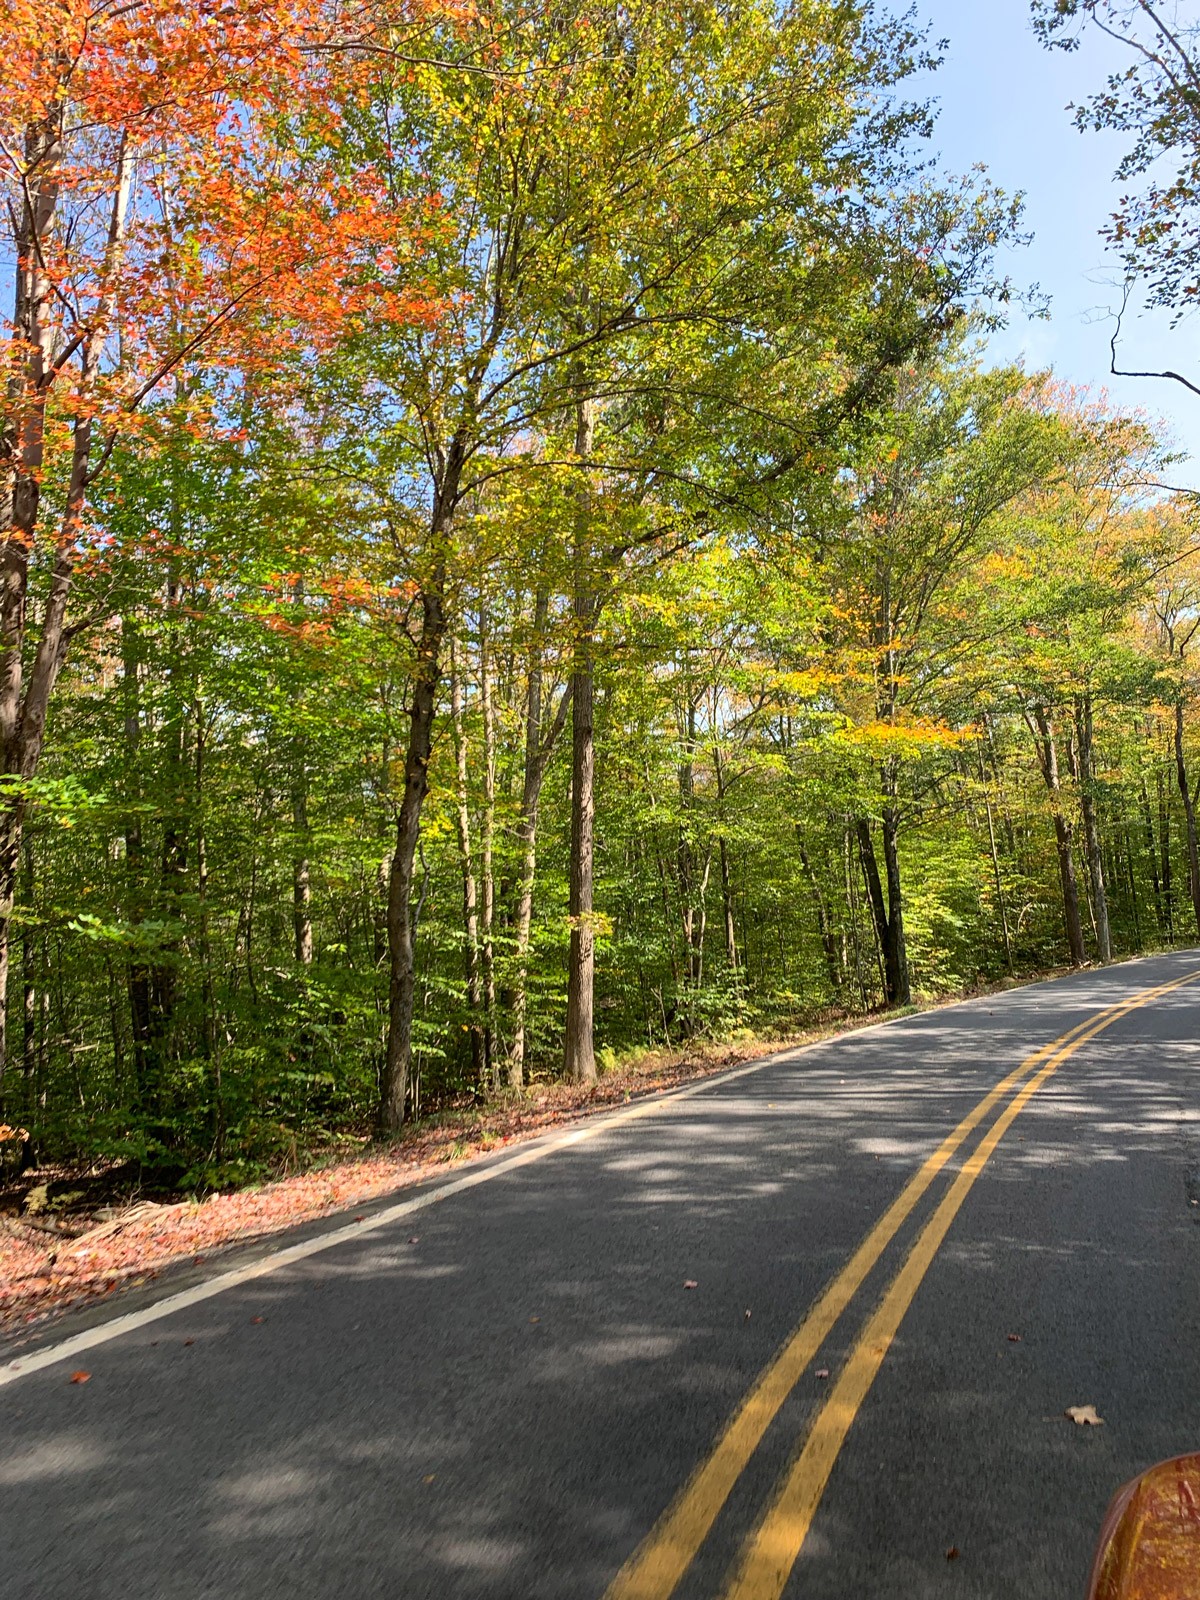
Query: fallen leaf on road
[821, 1372]
[360, 1219]
[1084, 1415]
[690, 1283]
[416, 1239]
[256, 1319]
[430, 1477]
[535, 1319]
[80, 1377]
[1014, 1338]
[41, 1274]
[952, 1553]
[189, 1341]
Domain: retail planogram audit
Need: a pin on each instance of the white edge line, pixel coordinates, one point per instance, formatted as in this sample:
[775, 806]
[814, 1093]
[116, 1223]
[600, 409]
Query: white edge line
[102, 1333]
[90, 1338]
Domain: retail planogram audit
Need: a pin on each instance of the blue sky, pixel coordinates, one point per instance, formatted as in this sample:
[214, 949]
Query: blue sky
[1003, 103]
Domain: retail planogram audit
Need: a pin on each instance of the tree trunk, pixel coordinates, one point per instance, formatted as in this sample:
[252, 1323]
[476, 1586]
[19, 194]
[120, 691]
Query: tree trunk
[1152, 856]
[29, 994]
[397, 1060]
[1133, 889]
[1165, 859]
[138, 972]
[1046, 747]
[1000, 900]
[690, 897]
[895, 954]
[1064, 842]
[401, 952]
[173, 869]
[829, 942]
[731, 951]
[579, 1058]
[1189, 812]
[23, 450]
[531, 790]
[875, 901]
[301, 878]
[852, 911]
[487, 966]
[467, 863]
[24, 706]
[888, 915]
[539, 747]
[579, 1050]
[1091, 825]
[879, 912]
[208, 1018]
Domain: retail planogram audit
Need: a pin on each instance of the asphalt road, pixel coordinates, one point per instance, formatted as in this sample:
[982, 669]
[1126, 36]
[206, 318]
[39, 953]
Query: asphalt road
[499, 1396]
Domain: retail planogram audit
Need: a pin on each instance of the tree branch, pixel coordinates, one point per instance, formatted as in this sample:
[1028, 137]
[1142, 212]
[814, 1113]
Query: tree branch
[1118, 372]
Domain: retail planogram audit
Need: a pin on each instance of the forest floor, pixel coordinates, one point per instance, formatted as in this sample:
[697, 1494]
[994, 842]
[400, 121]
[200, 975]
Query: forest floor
[65, 1239]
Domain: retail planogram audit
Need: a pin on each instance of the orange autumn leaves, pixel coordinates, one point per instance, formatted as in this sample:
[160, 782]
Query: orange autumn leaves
[174, 173]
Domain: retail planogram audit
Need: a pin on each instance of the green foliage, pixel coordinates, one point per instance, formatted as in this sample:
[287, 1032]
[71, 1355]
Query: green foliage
[831, 568]
[1153, 99]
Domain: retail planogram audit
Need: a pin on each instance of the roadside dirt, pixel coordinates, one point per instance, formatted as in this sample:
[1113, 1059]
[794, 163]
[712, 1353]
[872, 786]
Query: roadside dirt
[63, 1243]
[65, 1240]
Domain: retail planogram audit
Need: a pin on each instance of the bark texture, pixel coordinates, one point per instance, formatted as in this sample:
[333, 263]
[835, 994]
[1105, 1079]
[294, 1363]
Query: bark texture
[579, 1054]
[397, 1056]
[1046, 746]
[1084, 741]
[540, 741]
[1189, 812]
[887, 913]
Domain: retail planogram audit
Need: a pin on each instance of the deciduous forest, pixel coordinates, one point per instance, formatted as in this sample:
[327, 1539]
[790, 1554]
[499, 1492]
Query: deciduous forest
[515, 552]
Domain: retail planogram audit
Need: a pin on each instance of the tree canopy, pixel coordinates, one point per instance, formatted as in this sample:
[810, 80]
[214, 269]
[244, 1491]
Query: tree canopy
[514, 553]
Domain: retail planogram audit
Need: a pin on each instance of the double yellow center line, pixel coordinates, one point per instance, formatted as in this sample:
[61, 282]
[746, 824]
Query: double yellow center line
[770, 1552]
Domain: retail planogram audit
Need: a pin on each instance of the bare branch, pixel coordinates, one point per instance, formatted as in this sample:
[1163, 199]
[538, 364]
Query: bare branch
[1119, 372]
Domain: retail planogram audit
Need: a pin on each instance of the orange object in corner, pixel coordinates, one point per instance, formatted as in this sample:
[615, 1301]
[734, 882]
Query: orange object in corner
[1150, 1542]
